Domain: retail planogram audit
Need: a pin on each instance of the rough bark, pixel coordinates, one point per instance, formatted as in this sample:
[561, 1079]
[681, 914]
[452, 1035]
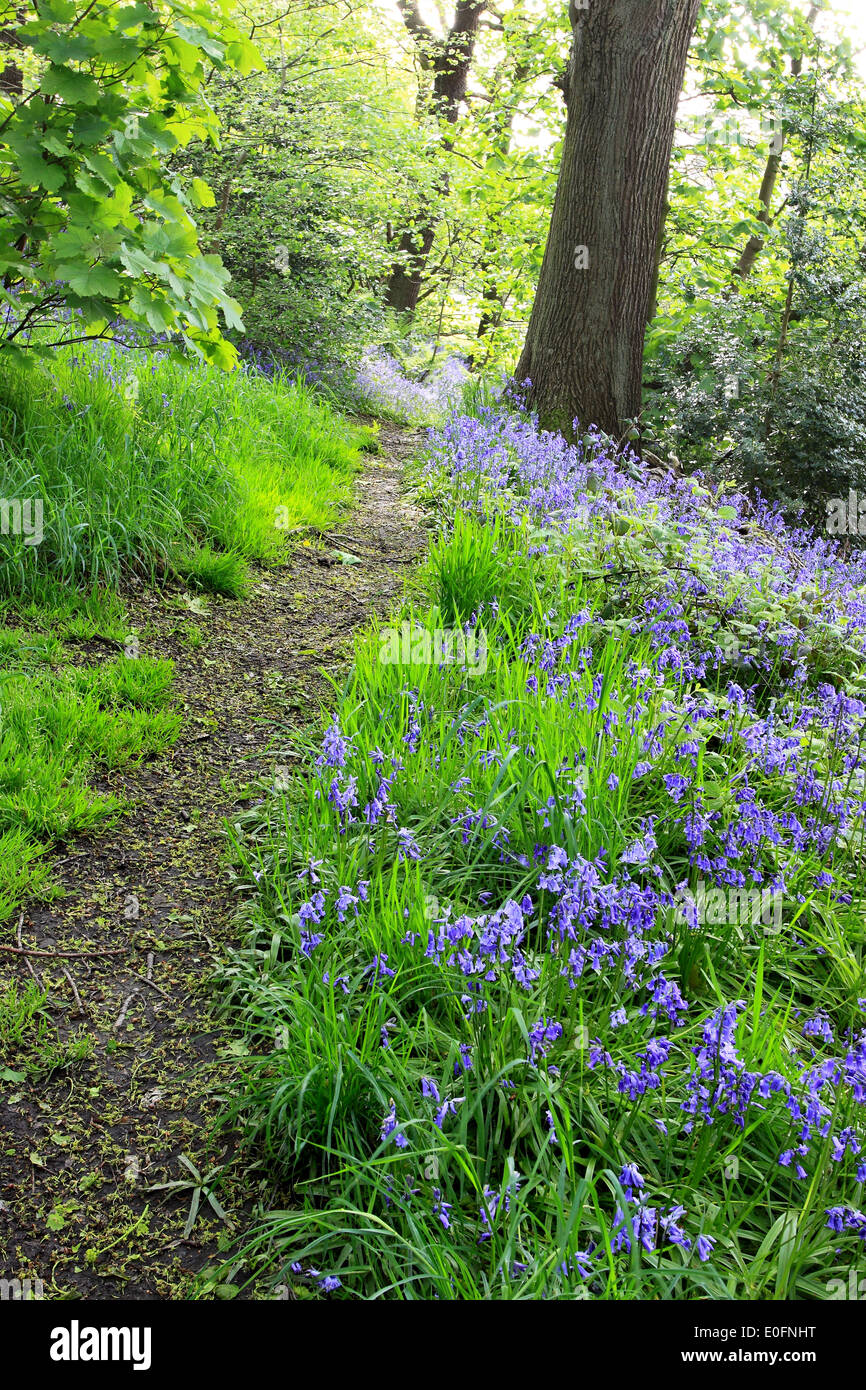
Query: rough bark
[584, 347]
[449, 60]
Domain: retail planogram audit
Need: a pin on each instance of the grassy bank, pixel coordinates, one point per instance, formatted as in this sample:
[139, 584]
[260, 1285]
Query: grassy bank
[117, 466]
[61, 720]
[145, 464]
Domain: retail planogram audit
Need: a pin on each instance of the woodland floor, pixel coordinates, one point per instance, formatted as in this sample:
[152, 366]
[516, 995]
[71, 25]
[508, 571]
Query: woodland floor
[80, 1148]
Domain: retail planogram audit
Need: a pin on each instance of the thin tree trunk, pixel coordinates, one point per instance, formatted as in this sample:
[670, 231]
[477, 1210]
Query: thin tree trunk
[492, 309]
[450, 61]
[657, 267]
[407, 273]
[584, 347]
[11, 77]
[776, 372]
[755, 245]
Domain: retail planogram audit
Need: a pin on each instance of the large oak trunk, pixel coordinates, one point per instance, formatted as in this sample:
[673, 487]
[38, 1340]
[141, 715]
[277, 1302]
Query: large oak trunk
[584, 347]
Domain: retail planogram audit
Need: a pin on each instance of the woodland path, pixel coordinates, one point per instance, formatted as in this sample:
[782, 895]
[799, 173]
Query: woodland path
[81, 1147]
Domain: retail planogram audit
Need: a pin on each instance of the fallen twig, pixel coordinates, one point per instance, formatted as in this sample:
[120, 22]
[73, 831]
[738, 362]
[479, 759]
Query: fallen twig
[144, 980]
[67, 955]
[124, 1011]
[81, 1008]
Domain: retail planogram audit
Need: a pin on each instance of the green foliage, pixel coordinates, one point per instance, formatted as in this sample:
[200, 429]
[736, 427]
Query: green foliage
[762, 376]
[331, 151]
[793, 425]
[301, 178]
[91, 226]
[486, 184]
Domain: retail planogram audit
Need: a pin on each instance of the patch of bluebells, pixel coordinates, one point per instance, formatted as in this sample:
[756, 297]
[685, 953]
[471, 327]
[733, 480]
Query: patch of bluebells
[516, 468]
[598, 929]
[382, 385]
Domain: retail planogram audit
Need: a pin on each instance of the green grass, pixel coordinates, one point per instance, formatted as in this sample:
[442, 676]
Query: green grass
[57, 726]
[149, 465]
[29, 1042]
[60, 721]
[75, 615]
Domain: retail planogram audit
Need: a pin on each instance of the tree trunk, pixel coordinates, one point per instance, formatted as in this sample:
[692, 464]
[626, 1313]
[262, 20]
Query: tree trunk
[503, 128]
[755, 245]
[449, 60]
[407, 273]
[584, 347]
[11, 77]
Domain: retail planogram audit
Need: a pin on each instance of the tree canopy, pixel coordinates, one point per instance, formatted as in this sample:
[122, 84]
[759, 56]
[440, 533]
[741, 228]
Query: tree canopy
[94, 100]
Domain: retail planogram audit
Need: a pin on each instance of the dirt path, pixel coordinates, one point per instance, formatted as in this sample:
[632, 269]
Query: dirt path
[82, 1145]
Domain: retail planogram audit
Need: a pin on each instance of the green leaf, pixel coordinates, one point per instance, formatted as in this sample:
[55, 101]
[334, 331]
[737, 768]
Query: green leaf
[103, 166]
[157, 312]
[35, 170]
[137, 261]
[202, 194]
[91, 280]
[244, 56]
[64, 48]
[72, 86]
